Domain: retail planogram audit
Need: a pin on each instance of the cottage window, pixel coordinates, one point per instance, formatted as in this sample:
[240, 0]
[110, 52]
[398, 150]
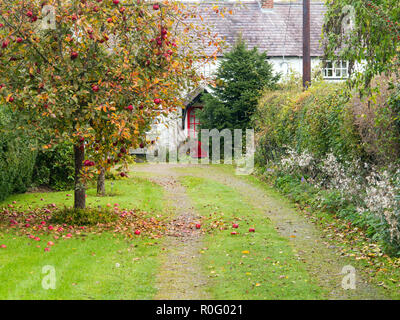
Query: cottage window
[336, 70]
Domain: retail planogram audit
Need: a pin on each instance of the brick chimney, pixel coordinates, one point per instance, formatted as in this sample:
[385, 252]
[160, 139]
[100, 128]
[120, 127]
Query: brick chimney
[267, 4]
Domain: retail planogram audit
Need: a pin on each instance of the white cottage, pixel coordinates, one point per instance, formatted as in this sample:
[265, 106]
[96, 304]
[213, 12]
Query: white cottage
[272, 27]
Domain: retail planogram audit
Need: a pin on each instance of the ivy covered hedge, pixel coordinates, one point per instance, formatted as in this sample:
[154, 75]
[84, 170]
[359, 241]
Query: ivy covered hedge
[330, 150]
[317, 120]
[17, 158]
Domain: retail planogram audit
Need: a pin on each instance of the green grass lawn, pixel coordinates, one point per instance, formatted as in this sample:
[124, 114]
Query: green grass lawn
[133, 193]
[259, 265]
[93, 267]
[87, 267]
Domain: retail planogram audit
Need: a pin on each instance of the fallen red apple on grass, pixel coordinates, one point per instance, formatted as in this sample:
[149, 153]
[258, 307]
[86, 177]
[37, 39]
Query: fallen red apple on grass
[137, 232]
[235, 225]
[198, 226]
[252, 230]
[156, 6]
[3, 246]
[234, 233]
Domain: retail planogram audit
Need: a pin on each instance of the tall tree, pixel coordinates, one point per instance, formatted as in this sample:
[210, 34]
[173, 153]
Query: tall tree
[96, 72]
[240, 77]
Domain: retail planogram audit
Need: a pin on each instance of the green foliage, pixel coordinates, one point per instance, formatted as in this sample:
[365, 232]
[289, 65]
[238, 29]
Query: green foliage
[17, 156]
[83, 217]
[241, 76]
[55, 168]
[374, 40]
[316, 120]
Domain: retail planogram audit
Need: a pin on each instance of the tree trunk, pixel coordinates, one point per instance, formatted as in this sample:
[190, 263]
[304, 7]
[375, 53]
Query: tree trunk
[80, 192]
[101, 183]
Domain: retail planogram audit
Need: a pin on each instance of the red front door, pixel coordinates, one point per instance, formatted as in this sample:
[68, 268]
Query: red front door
[193, 122]
[193, 128]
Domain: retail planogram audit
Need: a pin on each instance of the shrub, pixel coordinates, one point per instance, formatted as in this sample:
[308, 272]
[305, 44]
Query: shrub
[82, 217]
[316, 120]
[17, 157]
[377, 121]
[55, 168]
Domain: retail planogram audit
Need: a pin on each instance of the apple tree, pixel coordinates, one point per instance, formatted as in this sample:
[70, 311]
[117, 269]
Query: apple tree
[97, 72]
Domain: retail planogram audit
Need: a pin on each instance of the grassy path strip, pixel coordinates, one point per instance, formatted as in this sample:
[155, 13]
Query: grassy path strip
[180, 276]
[258, 265]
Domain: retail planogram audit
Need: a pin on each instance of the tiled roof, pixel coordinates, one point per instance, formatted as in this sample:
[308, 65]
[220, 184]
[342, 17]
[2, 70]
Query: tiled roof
[277, 31]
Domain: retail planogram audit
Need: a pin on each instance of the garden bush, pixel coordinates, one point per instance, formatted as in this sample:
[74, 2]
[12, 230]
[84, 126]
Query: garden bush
[17, 157]
[55, 168]
[335, 152]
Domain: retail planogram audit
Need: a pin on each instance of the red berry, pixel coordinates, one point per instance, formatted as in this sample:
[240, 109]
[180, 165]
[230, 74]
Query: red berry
[122, 174]
[137, 232]
[157, 101]
[156, 7]
[95, 88]
[198, 226]
[74, 55]
[115, 1]
[130, 107]
[19, 40]
[29, 14]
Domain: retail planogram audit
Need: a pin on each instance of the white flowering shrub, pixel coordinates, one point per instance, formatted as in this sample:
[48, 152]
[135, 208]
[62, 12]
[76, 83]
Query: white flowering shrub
[374, 194]
[382, 200]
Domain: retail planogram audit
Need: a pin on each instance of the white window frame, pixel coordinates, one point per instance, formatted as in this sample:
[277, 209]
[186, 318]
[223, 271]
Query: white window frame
[336, 70]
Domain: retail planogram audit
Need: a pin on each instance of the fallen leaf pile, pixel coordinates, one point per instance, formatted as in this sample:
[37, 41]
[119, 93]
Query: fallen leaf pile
[34, 223]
